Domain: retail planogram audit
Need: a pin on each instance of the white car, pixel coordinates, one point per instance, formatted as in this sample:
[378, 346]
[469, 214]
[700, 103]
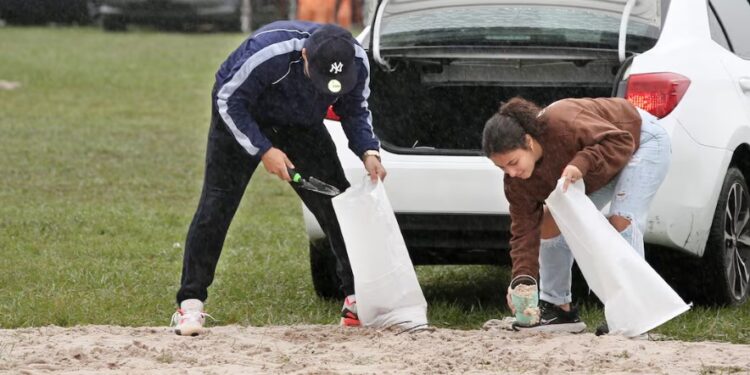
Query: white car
[439, 69]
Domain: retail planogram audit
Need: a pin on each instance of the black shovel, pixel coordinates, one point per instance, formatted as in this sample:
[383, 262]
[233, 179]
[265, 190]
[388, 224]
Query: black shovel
[312, 184]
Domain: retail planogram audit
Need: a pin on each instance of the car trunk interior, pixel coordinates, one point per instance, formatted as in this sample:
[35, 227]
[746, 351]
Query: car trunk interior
[431, 106]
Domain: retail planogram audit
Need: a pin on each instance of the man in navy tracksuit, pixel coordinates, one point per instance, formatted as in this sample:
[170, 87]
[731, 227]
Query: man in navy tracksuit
[268, 104]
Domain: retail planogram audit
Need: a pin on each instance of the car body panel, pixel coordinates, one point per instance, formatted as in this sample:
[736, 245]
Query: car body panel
[703, 140]
[686, 48]
[682, 210]
[739, 72]
[431, 179]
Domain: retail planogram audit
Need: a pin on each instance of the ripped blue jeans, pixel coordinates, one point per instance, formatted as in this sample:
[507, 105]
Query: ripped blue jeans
[629, 193]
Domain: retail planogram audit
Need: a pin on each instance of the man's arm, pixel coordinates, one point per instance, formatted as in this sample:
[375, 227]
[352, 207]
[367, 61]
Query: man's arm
[526, 219]
[240, 91]
[233, 99]
[249, 78]
[353, 109]
[356, 119]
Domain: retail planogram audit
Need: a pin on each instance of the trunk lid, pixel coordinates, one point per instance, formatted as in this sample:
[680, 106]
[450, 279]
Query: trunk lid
[413, 26]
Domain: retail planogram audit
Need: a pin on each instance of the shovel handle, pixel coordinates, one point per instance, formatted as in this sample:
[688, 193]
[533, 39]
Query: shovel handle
[296, 177]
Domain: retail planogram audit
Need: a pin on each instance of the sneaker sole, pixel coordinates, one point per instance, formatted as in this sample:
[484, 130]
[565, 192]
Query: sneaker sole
[189, 331]
[177, 331]
[563, 327]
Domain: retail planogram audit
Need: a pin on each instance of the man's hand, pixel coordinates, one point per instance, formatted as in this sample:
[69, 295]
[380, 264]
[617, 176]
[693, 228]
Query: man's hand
[571, 174]
[276, 162]
[374, 168]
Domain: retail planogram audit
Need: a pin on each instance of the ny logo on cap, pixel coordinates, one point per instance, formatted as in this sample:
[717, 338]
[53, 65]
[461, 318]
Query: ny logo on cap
[336, 67]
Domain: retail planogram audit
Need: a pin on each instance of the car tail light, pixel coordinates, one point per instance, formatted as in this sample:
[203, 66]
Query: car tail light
[657, 93]
[331, 115]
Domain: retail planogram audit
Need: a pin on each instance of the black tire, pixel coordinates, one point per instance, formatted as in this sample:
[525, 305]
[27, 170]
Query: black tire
[113, 23]
[728, 248]
[323, 270]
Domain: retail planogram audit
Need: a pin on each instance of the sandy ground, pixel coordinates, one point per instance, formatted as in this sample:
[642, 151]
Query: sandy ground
[335, 350]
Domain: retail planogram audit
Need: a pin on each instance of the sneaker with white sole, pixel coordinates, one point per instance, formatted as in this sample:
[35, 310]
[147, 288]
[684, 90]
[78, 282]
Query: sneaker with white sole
[554, 319]
[189, 318]
[349, 317]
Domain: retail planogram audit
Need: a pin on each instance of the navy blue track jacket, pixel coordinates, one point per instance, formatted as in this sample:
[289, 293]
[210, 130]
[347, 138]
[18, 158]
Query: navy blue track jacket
[263, 82]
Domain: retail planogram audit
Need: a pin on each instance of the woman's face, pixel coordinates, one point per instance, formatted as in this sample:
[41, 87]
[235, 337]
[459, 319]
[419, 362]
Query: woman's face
[518, 163]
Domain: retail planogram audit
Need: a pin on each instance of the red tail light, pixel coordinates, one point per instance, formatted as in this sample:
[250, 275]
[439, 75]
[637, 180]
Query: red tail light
[657, 93]
[331, 115]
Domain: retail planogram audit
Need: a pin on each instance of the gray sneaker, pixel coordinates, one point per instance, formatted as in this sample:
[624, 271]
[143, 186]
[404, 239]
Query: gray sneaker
[554, 319]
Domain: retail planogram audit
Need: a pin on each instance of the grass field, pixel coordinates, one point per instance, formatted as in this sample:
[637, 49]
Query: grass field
[101, 161]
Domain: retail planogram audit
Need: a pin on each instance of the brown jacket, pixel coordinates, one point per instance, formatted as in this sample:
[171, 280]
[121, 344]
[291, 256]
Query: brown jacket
[596, 135]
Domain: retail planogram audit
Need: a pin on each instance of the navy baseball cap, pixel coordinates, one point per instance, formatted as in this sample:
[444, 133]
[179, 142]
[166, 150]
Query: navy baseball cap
[330, 58]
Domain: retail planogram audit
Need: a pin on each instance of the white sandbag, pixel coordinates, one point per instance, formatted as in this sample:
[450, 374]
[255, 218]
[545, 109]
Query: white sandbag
[636, 299]
[386, 285]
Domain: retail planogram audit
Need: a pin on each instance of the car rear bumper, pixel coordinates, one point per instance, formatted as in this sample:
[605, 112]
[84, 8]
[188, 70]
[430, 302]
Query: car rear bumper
[447, 238]
[456, 239]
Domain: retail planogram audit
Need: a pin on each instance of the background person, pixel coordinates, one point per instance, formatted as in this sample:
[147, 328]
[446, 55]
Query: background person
[341, 12]
[620, 152]
[268, 104]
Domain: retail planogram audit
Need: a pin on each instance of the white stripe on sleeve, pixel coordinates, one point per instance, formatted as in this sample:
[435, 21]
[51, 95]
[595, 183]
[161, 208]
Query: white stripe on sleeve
[360, 52]
[241, 76]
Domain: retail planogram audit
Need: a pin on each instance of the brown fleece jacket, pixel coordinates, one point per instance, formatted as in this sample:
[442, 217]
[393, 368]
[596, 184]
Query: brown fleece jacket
[596, 135]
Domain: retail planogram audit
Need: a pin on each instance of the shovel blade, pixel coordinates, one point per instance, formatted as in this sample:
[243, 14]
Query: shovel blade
[323, 187]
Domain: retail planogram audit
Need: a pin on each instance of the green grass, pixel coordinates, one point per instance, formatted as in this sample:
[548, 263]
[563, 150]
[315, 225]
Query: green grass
[101, 162]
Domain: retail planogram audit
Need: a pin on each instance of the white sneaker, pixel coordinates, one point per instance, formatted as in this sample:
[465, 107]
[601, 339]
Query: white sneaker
[189, 318]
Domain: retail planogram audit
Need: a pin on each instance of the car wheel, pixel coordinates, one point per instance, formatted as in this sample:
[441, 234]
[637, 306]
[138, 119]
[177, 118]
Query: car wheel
[323, 270]
[113, 23]
[728, 247]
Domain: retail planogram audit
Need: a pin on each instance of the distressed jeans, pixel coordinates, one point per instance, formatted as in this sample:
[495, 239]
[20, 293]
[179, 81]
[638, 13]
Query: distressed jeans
[629, 193]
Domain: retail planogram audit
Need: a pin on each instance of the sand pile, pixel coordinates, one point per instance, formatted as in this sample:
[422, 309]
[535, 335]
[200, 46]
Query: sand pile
[334, 350]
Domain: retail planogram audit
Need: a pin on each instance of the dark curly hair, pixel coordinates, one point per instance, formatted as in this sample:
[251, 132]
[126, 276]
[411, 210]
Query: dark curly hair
[506, 130]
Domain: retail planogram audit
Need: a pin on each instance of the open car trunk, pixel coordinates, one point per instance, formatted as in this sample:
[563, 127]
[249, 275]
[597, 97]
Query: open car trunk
[439, 106]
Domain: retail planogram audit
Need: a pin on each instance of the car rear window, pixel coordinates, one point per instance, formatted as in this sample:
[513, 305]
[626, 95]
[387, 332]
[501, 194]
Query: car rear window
[735, 17]
[512, 25]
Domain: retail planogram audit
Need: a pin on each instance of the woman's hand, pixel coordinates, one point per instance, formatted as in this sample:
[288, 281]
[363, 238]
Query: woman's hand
[571, 174]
